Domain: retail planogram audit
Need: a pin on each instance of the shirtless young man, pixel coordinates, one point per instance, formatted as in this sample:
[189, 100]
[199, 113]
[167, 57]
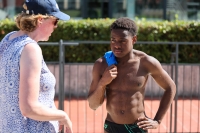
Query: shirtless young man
[124, 83]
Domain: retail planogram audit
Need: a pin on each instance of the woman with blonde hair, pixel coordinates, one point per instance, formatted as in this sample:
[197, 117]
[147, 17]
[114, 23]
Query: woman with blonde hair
[26, 84]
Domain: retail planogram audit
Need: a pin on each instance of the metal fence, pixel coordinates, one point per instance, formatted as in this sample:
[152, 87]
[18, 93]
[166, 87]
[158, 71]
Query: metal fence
[74, 80]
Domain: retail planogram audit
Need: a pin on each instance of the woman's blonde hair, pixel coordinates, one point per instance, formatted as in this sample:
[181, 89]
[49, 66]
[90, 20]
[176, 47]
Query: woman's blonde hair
[27, 22]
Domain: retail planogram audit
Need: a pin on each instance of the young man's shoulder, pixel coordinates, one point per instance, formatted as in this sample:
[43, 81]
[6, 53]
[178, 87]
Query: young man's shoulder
[100, 62]
[139, 53]
[145, 57]
[99, 65]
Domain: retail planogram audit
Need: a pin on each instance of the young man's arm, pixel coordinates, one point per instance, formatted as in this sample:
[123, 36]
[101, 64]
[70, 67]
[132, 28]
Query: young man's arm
[99, 82]
[164, 81]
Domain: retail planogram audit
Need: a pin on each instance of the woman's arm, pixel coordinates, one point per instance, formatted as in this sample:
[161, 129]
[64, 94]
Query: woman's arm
[30, 70]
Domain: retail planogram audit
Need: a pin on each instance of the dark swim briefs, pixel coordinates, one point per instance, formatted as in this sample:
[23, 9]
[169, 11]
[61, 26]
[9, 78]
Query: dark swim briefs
[111, 127]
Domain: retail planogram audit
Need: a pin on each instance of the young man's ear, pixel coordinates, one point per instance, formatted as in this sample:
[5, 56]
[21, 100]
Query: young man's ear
[134, 39]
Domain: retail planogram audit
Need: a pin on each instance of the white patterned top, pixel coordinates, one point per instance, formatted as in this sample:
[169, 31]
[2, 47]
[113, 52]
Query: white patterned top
[11, 119]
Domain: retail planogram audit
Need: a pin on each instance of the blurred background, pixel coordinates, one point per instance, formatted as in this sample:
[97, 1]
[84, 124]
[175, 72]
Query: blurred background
[149, 9]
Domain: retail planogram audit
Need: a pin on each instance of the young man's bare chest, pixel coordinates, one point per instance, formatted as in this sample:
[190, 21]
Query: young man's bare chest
[125, 94]
[130, 76]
